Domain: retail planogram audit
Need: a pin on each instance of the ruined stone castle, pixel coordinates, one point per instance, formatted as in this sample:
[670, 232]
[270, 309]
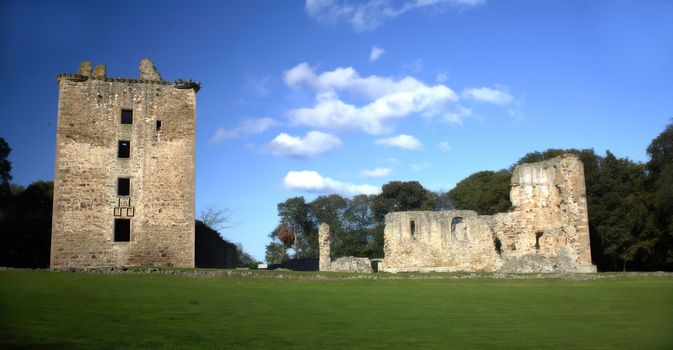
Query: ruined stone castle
[125, 170]
[547, 230]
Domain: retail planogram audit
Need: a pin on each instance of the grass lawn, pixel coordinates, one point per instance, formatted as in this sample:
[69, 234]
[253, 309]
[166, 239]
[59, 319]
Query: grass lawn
[40, 309]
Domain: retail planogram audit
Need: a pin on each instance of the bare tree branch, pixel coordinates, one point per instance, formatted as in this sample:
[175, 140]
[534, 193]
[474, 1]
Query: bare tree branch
[217, 218]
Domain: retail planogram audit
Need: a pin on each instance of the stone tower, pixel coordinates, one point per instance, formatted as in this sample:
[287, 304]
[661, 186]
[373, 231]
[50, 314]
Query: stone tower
[124, 177]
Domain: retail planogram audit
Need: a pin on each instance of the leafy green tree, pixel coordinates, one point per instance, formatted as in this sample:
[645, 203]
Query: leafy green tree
[403, 196]
[25, 233]
[275, 253]
[486, 192]
[365, 236]
[294, 213]
[329, 209]
[660, 183]
[244, 259]
[661, 151]
[5, 167]
[621, 214]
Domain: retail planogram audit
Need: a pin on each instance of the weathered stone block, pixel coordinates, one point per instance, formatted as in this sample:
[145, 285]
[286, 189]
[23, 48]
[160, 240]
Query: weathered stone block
[351, 264]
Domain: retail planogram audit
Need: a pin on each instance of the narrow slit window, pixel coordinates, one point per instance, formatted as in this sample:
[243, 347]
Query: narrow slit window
[123, 187]
[498, 245]
[412, 227]
[538, 235]
[158, 125]
[122, 230]
[124, 150]
[127, 116]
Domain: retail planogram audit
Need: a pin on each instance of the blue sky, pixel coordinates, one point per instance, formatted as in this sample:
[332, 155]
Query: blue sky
[305, 98]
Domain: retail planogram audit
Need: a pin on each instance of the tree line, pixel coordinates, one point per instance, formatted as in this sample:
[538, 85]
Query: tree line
[630, 208]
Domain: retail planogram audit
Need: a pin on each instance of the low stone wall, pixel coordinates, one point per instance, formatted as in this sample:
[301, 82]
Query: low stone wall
[351, 264]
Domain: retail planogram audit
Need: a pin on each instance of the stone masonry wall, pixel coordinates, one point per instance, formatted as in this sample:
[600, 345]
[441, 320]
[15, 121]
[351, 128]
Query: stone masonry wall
[160, 168]
[546, 231]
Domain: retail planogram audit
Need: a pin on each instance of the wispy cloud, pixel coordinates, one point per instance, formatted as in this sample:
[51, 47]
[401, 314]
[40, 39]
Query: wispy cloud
[313, 144]
[401, 141]
[376, 53]
[391, 99]
[444, 146]
[488, 95]
[312, 181]
[246, 127]
[369, 15]
[375, 173]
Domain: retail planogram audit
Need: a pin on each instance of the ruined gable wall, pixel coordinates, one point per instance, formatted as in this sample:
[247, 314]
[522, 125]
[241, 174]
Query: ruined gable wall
[161, 169]
[549, 220]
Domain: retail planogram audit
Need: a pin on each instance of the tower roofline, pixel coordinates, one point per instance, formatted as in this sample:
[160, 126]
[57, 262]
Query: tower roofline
[179, 83]
[148, 75]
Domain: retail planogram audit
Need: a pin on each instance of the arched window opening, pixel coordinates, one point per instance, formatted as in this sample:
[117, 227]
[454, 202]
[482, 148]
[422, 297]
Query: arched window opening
[458, 229]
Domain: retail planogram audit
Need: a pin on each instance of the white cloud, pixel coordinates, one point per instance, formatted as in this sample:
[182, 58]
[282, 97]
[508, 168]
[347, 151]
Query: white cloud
[246, 127]
[401, 141]
[444, 146]
[488, 95]
[312, 181]
[376, 53]
[457, 114]
[313, 144]
[391, 99]
[369, 15]
[375, 173]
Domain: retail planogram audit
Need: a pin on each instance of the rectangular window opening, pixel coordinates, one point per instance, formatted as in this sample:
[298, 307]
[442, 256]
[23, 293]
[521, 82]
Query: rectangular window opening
[158, 125]
[123, 186]
[124, 150]
[412, 227]
[122, 230]
[127, 116]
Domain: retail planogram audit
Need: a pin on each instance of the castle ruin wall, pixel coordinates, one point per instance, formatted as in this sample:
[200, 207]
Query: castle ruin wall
[546, 231]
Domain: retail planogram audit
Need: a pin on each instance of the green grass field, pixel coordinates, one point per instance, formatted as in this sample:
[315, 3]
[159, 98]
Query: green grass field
[46, 310]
